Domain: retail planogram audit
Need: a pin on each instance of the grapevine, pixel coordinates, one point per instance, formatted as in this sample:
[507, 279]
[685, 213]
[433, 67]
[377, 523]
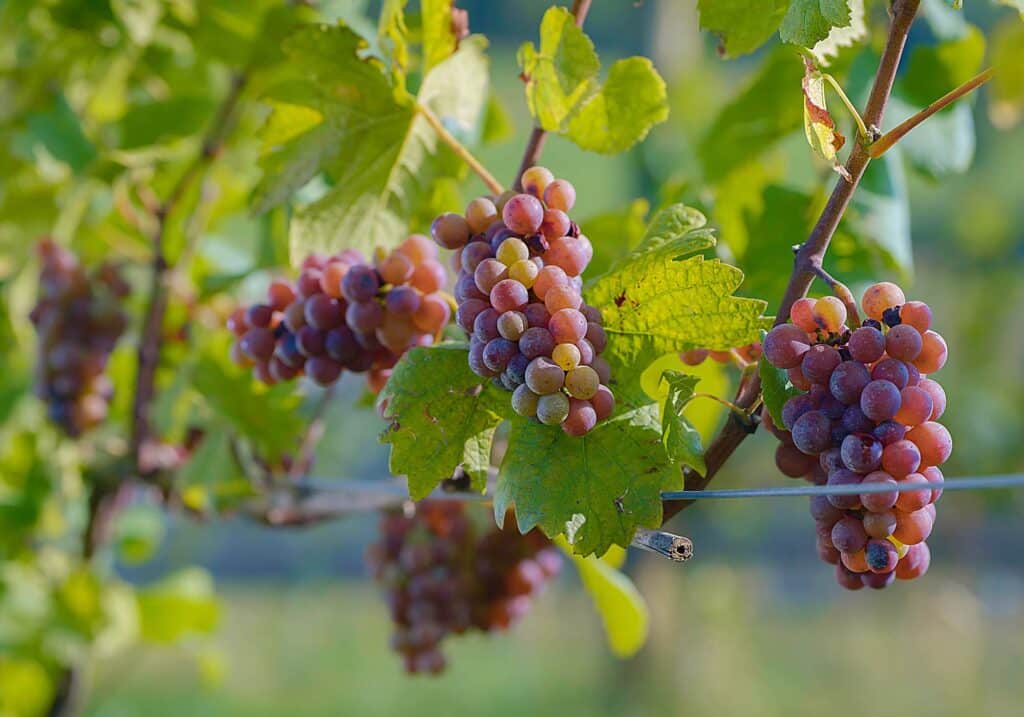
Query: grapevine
[865, 413]
[343, 313]
[442, 575]
[520, 259]
[78, 319]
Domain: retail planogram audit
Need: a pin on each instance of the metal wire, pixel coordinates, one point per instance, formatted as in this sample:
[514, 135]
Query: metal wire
[973, 483]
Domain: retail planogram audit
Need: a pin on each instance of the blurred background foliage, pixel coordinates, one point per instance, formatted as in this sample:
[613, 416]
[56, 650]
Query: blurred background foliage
[103, 105]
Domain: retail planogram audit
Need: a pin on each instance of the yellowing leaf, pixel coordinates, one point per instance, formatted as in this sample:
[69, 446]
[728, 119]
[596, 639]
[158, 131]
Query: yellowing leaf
[622, 608]
[819, 127]
[439, 41]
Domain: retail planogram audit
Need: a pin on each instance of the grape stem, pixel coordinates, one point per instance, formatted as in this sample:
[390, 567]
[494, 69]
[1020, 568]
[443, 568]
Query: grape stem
[535, 145]
[862, 130]
[743, 413]
[884, 143]
[151, 339]
[842, 292]
[810, 254]
[456, 146]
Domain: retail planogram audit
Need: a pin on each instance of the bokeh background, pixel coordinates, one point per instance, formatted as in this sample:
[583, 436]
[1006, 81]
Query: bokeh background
[754, 624]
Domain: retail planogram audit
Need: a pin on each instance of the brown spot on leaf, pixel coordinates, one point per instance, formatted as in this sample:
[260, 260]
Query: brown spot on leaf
[426, 412]
[620, 299]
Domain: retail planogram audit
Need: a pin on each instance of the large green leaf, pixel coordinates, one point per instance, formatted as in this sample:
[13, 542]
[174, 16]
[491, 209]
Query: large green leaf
[768, 109]
[742, 25]
[564, 94]
[596, 489]
[562, 72]
[340, 116]
[181, 604]
[657, 301]
[808, 22]
[440, 416]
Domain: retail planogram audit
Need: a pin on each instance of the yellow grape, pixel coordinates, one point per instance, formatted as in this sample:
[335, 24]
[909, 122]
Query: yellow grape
[567, 356]
[524, 271]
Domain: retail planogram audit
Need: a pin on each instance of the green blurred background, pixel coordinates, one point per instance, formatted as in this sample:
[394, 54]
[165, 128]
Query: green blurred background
[754, 624]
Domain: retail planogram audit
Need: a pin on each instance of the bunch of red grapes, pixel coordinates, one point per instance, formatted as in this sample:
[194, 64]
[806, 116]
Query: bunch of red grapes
[343, 313]
[78, 320]
[868, 416]
[520, 258]
[442, 575]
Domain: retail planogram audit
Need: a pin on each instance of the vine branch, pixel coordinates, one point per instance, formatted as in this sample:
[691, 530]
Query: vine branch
[151, 339]
[887, 140]
[811, 254]
[535, 145]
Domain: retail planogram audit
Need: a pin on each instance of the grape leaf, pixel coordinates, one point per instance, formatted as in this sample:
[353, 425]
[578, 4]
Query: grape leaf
[682, 440]
[613, 234]
[776, 388]
[819, 128]
[765, 111]
[622, 607]
[808, 22]
[658, 301]
[596, 489]
[562, 73]
[1007, 94]
[439, 41]
[632, 100]
[839, 37]
[742, 25]
[391, 36]
[441, 415]
[340, 115]
[564, 94]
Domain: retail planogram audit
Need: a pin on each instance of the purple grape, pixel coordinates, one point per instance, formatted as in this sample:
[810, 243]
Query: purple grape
[794, 408]
[516, 369]
[855, 421]
[848, 535]
[364, 316]
[861, 453]
[877, 581]
[498, 352]
[825, 512]
[536, 341]
[880, 400]
[402, 300]
[847, 381]
[831, 460]
[288, 353]
[891, 370]
[889, 432]
[844, 476]
[310, 341]
[360, 283]
[341, 345]
[485, 327]
[881, 556]
[323, 370]
[819, 362]
[476, 359]
[466, 289]
[866, 344]
[812, 433]
[785, 345]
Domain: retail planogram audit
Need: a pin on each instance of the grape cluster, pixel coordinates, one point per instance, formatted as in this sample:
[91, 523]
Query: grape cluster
[344, 313]
[520, 258]
[442, 575]
[868, 415]
[78, 319]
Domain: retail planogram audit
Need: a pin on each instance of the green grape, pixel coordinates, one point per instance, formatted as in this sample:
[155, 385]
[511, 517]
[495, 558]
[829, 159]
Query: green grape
[552, 408]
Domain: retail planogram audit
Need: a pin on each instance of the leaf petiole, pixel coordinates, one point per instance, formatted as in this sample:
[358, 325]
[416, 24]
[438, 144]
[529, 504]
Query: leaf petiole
[460, 149]
[862, 130]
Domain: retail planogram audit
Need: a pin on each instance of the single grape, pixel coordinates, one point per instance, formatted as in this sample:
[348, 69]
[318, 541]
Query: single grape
[552, 408]
[466, 289]
[547, 278]
[509, 295]
[419, 248]
[603, 402]
[909, 501]
[915, 563]
[933, 353]
[567, 325]
[544, 377]
[403, 300]
[537, 315]
[812, 432]
[567, 356]
[488, 273]
[785, 345]
[535, 342]
[308, 283]
[485, 327]
[512, 325]
[793, 462]
[341, 345]
[901, 458]
[536, 179]
[524, 401]
[881, 296]
[582, 382]
[879, 524]
[802, 315]
[476, 359]
[581, 419]
[468, 311]
[829, 460]
[480, 214]
[829, 314]
[917, 314]
[360, 283]
[848, 535]
[450, 230]
[311, 342]
[524, 271]
[848, 381]
[512, 250]
[819, 362]
[825, 512]
[571, 254]
[474, 253]
[880, 400]
[604, 371]
[556, 224]
[934, 476]
[395, 268]
[903, 342]
[562, 297]
[913, 528]
[938, 396]
[523, 214]
[855, 561]
[878, 581]
[432, 315]
[915, 406]
[933, 441]
[396, 332]
[516, 369]
[848, 579]
[257, 344]
[498, 352]
[560, 194]
[323, 370]
[429, 276]
[861, 453]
